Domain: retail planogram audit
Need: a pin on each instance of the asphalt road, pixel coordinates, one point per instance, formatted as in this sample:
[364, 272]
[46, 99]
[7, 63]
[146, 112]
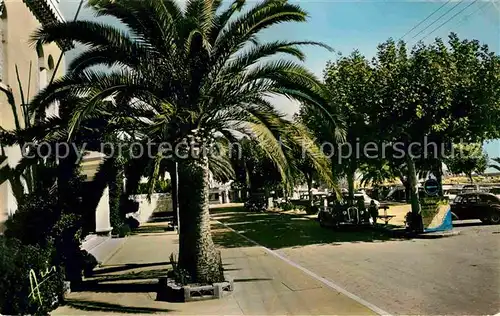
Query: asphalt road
[453, 275]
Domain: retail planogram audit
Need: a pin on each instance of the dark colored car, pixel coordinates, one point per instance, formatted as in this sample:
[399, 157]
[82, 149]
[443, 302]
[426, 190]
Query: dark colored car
[339, 213]
[477, 205]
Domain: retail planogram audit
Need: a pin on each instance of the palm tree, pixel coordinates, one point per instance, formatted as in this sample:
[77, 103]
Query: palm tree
[497, 160]
[191, 75]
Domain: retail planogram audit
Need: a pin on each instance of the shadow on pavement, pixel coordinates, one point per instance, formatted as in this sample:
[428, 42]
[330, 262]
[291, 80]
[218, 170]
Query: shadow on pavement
[251, 280]
[128, 266]
[277, 230]
[117, 287]
[107, 307]
[140, 275]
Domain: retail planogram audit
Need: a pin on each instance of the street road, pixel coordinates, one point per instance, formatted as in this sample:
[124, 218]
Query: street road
[454, 275]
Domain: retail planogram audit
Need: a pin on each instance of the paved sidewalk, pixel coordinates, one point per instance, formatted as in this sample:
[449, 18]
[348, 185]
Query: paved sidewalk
[264, 283]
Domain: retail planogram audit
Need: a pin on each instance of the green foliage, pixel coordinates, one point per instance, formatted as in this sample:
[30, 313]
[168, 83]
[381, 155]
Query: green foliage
[287, 206]
[16, 262]
[34, 219]
[467, 159]
[52, 218]
[161, 186]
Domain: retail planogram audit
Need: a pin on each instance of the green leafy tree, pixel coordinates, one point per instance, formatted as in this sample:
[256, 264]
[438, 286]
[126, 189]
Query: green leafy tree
[188, 81]
[434, 92]
[467, 159]
[349, 81]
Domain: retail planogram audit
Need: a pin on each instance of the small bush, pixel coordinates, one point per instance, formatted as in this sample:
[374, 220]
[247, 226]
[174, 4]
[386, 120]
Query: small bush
[22, 267]
[256, 203]
[287, 206]
[32, 223]
[67, 233]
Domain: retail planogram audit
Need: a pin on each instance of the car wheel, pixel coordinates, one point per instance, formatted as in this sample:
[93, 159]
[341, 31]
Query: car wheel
[494, 218]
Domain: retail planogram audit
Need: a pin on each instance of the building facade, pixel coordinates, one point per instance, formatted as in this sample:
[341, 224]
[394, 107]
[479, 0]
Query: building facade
[35, 64]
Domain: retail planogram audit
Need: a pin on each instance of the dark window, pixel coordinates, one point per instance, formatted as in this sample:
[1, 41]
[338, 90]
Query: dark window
[488, 199]
[495, 190]
[472, 199]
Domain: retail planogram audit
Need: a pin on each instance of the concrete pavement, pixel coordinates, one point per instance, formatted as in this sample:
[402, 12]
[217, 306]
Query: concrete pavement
[450, 276]
[264, 284]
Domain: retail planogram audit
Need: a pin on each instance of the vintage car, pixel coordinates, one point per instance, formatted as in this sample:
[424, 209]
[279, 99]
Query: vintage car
[344, 212]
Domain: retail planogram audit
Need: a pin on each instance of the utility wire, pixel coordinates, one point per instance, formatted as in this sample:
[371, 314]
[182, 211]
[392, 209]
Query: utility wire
[428, 17]
[442, 15]
[437, 28]
[465, 18]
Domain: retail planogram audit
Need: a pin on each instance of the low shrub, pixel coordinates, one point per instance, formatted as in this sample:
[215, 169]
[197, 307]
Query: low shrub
[28, 283]
[32, 223]
[256, 203]
[287, 206]
[67, 234]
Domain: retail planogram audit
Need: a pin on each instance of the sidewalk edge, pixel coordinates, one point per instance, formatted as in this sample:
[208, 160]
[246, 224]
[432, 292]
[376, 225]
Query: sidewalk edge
[314, 275]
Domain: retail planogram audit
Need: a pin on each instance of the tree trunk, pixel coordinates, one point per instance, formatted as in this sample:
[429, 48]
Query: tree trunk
[470, 178]
[309, 191]
[197, 252]
[415, 202]
[439, 177]
[350, 186]
[115, 194]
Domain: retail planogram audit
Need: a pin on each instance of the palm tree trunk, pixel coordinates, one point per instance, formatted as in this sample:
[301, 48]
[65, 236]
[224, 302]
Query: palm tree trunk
[350, 185]
[309, 191]
[197, 252]
[115, 194]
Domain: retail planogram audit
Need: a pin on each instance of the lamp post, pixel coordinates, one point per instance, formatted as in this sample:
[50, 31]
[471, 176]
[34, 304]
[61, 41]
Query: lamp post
[176, 197]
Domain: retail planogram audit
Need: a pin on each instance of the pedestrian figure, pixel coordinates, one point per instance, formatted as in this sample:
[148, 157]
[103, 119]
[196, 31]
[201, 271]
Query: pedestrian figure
[373, 209]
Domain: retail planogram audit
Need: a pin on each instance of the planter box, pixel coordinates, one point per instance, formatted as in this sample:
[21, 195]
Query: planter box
[170, 291]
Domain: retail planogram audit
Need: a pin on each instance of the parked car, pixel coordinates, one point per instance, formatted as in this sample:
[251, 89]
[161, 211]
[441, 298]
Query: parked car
[451, 194]
[477, 205]
[341, 213]
[366, 198]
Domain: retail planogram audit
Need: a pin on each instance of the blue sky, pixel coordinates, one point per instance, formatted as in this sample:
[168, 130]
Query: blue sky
[362, 25]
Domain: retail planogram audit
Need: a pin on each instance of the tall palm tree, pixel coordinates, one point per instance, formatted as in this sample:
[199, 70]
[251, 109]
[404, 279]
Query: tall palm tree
[191, 74]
